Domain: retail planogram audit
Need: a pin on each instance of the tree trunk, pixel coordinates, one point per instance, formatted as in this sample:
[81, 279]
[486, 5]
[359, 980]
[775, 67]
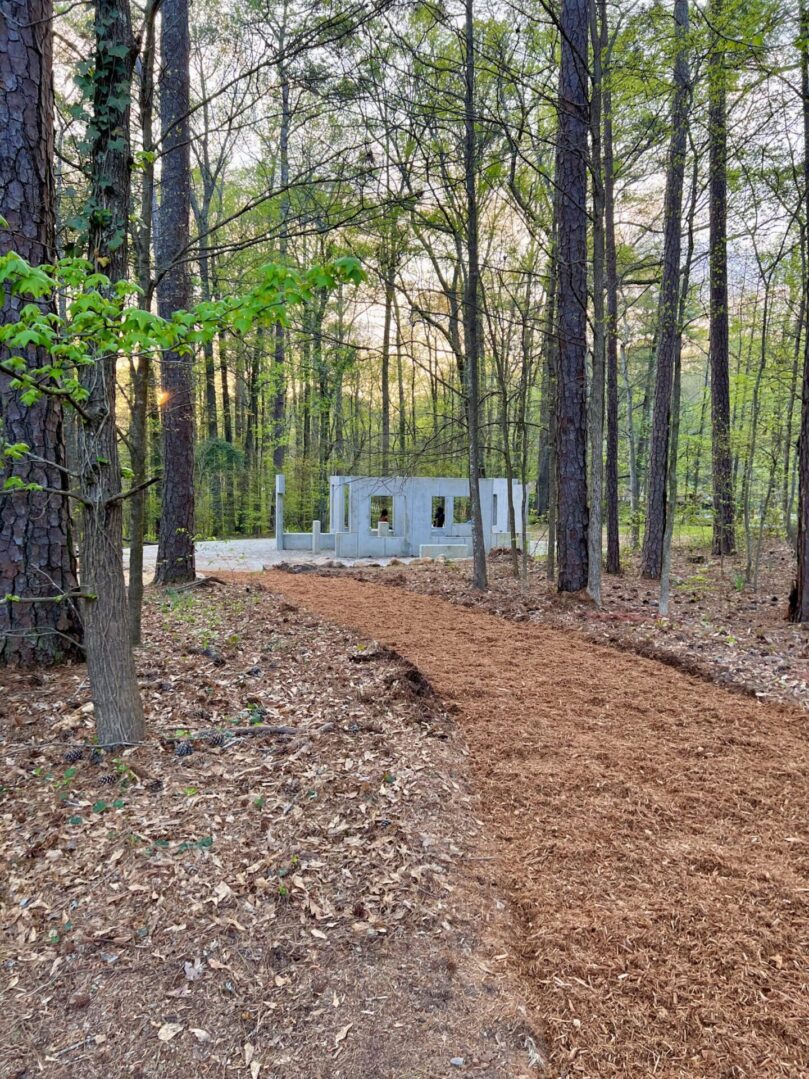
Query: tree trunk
[665, 573]
[596, 403]
[786, 497]
[724, 539]
[175, 553]
[387, 278]
[227, 423]
[471, 319]
[110, 666]
[571, 432]
[211, 418]
[402, 446]
[632, 456]
[747, 480]
[279, 402]
[668, 310]
[701, 432]
[611, 267]
[543, 455]
[140, 366]
[37, 558]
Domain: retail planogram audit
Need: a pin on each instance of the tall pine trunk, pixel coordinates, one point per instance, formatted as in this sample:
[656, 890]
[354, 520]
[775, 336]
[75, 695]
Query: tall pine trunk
[140, 366]
[387, 277]
[36, 549]
[668, 310]
[571, 395]
[471, 319]
[724, 538]
[665, 573]
[787, 488]
[175, 553]
[279, 397]
[595, 419]
[611, 268]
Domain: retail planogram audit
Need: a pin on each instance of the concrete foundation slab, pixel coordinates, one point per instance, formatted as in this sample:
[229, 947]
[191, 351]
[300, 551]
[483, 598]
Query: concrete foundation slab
[445, 550]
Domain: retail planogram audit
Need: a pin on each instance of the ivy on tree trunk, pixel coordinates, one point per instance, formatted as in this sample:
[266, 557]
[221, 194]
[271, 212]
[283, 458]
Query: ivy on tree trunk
[110, 664]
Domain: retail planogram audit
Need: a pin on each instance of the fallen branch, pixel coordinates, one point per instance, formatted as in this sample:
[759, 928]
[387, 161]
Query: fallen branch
[263, 728]
[198, 582]
[123, 495]
[235, 732]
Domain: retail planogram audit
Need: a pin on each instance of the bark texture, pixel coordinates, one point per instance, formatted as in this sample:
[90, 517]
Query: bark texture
[724, 537]
[472, 321]
[799, 599]
[595, 417]
[668, 309]
[110, 665]
[37, 561]
[571, 392]
[175, 552]
[140, 367]
[279, 396]
[611, 474]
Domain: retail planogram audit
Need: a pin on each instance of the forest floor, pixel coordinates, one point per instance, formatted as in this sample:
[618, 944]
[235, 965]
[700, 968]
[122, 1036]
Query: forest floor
[650, 826]
[445, 834]
[316, 897]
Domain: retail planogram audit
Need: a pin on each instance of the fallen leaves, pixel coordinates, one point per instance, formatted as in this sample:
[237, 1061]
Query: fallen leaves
[193, 971]
[342, 1034]
[239, 895]
[168, 1031]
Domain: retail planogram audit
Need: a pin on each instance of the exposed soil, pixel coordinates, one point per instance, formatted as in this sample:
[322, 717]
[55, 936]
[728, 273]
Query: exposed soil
[313, 898]
[651, 829]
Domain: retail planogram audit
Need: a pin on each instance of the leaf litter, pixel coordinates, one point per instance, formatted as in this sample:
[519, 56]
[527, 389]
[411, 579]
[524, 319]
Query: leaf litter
[296, 895]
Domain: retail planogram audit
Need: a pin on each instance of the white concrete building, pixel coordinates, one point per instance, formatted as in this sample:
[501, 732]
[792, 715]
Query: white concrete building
[403, 516]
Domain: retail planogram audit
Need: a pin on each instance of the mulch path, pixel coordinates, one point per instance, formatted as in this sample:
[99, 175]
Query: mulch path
[718, 627]
[650, 827]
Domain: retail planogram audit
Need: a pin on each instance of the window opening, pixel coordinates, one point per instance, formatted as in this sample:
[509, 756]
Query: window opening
[382, 511]
[462, 513]
[439, 511]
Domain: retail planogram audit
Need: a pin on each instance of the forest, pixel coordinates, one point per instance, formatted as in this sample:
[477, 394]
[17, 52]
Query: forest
[548, 801]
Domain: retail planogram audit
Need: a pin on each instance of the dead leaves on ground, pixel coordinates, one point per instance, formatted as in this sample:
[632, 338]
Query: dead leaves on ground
[220, 906]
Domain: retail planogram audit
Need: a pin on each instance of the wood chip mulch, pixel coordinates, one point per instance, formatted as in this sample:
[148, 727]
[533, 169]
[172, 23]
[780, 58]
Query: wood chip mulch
[651, 830]
[719, 628]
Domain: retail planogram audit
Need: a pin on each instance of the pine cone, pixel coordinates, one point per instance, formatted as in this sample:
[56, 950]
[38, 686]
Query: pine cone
[74, 755]
[215, 738]
[97, 756]
[108, 780]
[184, 749]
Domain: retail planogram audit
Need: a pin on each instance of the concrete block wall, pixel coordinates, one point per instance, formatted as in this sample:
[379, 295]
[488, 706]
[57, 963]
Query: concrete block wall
[350, 534]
